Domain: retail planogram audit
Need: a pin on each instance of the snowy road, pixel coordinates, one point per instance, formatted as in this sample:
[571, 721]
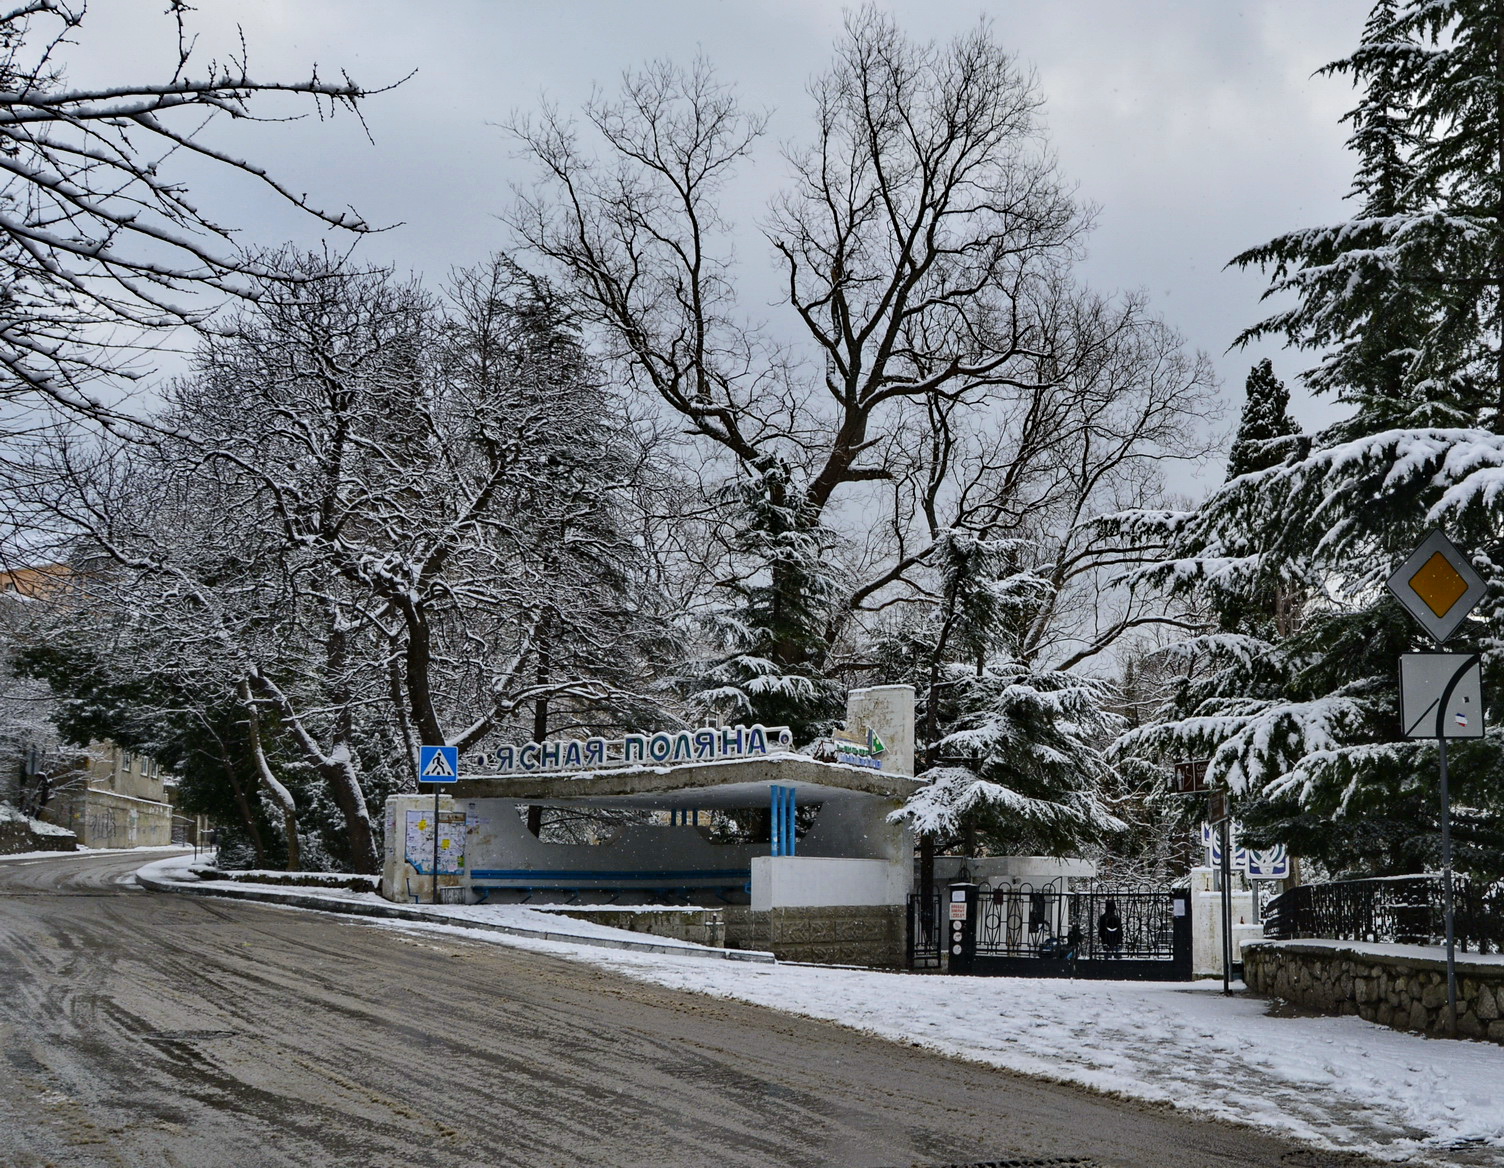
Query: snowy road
[146, 1029]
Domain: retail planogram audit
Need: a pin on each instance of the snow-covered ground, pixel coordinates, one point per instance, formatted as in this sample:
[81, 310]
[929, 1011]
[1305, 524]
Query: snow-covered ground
[1333, 1082]
[83, 851]
[528, 918]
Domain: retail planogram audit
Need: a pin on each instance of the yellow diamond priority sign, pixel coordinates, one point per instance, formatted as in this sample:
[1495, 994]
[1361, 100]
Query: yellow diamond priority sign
[1437, 586]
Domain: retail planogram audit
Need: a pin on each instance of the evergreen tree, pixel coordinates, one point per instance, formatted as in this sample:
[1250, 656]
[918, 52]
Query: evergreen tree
[1297, 708]
[1265, 421]
[1015, 749]
[1366, 288]
[770, 640]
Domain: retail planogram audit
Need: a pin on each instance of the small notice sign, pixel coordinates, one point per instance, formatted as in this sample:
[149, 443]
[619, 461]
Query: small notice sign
[958, 910]
[1441, 695]
[418, 845]
[1190, 777]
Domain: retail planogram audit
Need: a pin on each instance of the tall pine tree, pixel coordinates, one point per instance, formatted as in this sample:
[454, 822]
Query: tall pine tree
[1300, 713]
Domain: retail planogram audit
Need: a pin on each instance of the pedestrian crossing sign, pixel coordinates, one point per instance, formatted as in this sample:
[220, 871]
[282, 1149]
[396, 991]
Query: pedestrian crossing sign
[439, 764]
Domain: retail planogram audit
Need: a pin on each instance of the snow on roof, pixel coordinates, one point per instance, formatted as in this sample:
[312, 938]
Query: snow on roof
[729, 782]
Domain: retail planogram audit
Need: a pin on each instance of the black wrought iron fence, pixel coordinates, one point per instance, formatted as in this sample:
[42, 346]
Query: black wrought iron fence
[1403, 910]
[1092, 921]
[924, 931]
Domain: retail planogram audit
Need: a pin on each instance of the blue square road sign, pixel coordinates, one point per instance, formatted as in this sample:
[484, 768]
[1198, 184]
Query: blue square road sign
[439, 764]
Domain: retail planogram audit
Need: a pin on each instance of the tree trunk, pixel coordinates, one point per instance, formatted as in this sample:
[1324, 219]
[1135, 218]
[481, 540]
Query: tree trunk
[1498, 80]
[280, 794]
[418, 657]
[351, 800]
[253, 829]
[540, 720]
[339, 772]
[931, 751]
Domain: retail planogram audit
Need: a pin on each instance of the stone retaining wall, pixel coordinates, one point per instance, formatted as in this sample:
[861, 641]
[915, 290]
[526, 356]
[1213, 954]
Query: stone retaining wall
[703, 926]
[17, 835]
[1402, 988]
[848, 935]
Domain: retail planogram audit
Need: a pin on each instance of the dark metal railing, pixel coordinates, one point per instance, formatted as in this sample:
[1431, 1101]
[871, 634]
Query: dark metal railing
[924, 931]
[1402, 910]
[1023, 920]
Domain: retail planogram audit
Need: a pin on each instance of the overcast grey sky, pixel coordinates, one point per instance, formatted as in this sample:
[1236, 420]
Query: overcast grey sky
[1195, 125]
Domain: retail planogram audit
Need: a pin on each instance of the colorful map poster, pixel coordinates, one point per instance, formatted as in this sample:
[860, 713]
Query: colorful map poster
[418, 842]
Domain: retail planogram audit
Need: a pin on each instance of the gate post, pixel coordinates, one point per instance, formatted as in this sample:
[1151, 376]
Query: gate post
[1181, 937]
[960, 926]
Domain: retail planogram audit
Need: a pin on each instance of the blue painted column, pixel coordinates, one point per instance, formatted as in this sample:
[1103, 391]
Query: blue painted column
[782, 816]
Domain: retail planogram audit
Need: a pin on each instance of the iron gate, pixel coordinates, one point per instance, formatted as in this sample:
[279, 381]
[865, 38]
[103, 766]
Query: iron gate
[924, 931]
[1110, 931]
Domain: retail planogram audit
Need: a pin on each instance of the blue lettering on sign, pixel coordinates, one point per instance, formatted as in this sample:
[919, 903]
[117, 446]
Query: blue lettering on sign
[704, 744]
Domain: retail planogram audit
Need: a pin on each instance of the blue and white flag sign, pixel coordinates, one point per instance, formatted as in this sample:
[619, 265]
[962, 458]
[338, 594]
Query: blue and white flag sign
[1259, 864]
[438, 764]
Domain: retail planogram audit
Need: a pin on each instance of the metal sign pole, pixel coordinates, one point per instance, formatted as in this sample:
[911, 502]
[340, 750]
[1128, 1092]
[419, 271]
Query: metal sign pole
[1446, 876]
[1227, 906]
[437, 765]
[1442, 706]
[1439, 588]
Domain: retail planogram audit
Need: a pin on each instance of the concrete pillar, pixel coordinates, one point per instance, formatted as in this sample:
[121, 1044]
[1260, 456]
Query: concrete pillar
[400, 880]
[888, 711]
[1206, 923]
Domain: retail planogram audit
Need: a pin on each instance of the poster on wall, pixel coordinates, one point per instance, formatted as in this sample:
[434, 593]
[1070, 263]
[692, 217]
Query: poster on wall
[418, 842]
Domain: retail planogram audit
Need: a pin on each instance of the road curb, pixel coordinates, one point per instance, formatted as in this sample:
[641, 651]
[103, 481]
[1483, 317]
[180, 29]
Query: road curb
[403, 913]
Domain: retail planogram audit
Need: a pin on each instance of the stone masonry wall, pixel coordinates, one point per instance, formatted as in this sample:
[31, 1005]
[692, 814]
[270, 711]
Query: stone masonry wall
[869, 935]
[16, 835]
[1402, 989]
[703, 926]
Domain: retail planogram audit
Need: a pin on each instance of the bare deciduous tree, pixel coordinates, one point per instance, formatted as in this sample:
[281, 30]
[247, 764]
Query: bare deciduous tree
[954, 374]
[100, 241]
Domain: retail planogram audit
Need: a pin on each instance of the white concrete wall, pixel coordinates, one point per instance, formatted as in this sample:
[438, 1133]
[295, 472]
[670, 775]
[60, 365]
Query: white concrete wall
[857, 829]
[1032, 870]
[400, 881]
[821, 882]
[1206, 923]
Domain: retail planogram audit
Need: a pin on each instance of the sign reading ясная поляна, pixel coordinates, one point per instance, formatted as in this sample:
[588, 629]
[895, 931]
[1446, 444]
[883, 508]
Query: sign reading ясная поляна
[667, 748]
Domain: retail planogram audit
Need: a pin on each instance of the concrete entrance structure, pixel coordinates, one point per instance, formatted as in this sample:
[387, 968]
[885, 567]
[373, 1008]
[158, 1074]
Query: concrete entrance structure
[848, 856]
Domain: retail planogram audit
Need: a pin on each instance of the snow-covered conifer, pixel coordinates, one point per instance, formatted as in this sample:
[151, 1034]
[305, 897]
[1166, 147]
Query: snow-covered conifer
[1265, 422]
[1293, 697]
